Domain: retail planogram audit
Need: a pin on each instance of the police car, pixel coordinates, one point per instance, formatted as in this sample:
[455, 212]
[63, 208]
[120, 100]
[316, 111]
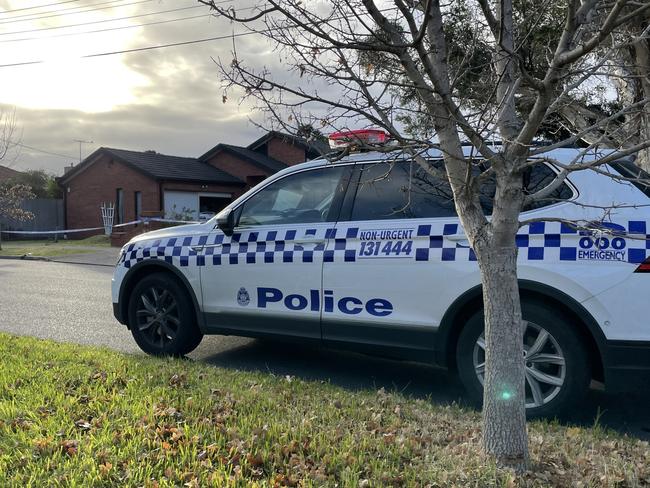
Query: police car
[367, 253]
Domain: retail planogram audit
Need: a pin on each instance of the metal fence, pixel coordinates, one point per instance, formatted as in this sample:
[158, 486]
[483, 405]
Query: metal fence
[48, 215]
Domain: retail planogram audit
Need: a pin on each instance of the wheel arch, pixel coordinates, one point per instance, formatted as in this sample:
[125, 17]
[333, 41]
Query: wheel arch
[148, 267]
[472, 300]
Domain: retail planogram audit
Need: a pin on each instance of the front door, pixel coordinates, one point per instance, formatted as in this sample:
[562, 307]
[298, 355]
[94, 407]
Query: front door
[265, 279]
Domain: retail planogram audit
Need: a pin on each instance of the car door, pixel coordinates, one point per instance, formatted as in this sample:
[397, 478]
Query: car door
[396, 261]
[265, 279]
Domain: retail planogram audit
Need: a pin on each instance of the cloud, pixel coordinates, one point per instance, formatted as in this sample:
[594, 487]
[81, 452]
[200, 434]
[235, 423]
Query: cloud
[168, 100]
[175, 107]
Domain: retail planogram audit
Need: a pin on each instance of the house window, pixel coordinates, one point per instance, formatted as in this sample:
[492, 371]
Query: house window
[119, 206]
[138, 204]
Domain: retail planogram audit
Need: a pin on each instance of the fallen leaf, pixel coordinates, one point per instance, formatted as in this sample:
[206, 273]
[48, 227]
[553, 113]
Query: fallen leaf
[70, 447]
[82, 424]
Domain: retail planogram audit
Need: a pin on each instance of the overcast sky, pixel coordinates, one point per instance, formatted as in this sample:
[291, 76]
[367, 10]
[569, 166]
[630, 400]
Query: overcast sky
[168, 100]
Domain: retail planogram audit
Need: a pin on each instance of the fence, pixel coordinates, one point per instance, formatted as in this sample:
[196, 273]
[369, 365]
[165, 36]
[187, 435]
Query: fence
[48, 215]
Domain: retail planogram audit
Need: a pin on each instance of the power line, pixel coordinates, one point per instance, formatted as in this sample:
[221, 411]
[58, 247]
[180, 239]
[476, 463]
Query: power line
[42, 151]
[55, 13]
[161, 46]
[132, 26]
[147, 48]
[38, 6]
[102, 21]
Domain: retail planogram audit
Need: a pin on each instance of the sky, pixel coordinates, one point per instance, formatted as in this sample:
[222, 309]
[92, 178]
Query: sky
[168, 100]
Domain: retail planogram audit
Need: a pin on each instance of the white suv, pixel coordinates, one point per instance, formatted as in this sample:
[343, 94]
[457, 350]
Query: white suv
[367, 253]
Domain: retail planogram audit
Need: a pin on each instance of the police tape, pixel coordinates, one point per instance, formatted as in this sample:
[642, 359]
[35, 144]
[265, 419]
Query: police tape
[171, 221]
[89, 229]
[66, 231]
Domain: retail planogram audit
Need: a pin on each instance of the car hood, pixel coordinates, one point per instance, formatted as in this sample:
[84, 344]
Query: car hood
[176, 231]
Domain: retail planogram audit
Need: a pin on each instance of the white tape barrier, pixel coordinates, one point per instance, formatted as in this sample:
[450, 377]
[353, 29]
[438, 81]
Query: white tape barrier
[170, 221]
[68, 231]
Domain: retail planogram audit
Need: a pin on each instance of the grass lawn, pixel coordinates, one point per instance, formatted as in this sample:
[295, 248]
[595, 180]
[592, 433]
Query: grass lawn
[79, 416]
[50, 248]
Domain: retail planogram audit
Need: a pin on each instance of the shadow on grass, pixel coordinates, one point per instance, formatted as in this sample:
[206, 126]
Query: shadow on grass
[626, 413]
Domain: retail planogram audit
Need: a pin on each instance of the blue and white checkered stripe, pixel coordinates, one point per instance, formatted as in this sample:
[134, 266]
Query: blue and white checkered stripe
[540, 241]
[556, 241]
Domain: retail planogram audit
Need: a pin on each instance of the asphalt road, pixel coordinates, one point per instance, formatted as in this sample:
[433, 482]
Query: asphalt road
[72, 303]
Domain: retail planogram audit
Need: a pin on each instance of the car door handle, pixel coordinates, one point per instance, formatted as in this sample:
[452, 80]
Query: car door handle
[205, 246]
[309, 241]
[456, 237]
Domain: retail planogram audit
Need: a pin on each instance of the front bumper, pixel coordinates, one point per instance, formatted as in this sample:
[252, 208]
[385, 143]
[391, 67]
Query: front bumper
[627, 366]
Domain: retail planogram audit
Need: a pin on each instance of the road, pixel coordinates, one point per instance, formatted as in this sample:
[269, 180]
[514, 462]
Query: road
[71, 303]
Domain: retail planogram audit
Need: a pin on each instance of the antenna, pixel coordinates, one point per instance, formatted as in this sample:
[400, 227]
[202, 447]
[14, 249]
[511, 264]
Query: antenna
[80, 143]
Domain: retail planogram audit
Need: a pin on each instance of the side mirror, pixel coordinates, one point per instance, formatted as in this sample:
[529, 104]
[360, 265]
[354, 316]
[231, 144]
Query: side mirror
[226, 221]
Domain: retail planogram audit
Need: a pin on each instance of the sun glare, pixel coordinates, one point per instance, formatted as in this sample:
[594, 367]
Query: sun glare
[63, 79]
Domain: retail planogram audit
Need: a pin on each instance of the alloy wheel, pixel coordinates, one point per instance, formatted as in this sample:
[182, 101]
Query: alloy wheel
[544, 362]
[157, 316]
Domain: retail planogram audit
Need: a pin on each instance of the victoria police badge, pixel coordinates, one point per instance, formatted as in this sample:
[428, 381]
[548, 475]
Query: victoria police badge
[243, 298]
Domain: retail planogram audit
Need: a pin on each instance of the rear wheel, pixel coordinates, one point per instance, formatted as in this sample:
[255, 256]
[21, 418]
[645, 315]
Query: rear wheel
[557, 371]
[161, 317]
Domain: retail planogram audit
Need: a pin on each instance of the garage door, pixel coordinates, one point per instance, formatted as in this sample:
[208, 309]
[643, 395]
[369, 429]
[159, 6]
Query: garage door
[185, 205]
[181, 205]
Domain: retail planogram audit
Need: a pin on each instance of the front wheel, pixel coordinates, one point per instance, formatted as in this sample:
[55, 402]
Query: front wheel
[557, 372]
[161, 317]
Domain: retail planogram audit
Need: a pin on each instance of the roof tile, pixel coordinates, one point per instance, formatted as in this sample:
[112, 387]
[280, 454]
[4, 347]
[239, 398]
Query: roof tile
[164, 167]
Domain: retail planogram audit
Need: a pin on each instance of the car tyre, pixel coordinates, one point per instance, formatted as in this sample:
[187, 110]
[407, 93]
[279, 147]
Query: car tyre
[162, 318]
[557, 371]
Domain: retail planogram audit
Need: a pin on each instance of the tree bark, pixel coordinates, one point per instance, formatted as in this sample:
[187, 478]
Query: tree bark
[504, 413]
[642, 64]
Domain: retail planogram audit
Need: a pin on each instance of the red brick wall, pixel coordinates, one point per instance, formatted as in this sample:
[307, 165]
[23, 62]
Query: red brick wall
[285, 151]
[238, 167]
[236, 190]
[99, 183]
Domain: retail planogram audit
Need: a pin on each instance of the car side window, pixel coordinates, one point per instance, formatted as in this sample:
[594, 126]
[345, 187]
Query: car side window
[402, 190]
[295, 199]
[540, 176]
[534, 179]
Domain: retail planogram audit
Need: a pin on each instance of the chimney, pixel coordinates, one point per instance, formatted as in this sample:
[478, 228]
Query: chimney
[68, 168]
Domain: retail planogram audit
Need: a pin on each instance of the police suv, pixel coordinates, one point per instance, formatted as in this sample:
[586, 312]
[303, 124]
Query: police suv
[367, 253]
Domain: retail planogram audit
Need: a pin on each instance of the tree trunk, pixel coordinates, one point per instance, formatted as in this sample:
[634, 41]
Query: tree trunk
[504, 411]
[642, 64]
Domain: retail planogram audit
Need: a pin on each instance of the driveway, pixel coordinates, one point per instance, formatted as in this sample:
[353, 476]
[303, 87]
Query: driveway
[71, 303]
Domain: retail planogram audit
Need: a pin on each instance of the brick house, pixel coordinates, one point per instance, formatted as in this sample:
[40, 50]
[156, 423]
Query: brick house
[7, 173]
[149, 183]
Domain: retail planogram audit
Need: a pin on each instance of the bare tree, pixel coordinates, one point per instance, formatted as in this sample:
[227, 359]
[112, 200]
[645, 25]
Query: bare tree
[8, 136]
[440, 75]
[11, 195]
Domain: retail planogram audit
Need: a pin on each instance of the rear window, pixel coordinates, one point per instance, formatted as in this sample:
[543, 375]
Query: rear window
[641, 179]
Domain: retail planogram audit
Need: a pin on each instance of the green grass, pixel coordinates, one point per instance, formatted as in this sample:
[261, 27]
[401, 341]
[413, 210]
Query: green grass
[47, 248]
[80, 416]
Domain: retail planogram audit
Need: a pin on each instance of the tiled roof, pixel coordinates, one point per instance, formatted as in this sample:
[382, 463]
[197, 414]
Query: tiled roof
[164, 167]
[260, 160]
[315, 147]
[7, 173]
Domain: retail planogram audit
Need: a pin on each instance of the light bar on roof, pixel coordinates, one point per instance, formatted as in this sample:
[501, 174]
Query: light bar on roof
[361, 137]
